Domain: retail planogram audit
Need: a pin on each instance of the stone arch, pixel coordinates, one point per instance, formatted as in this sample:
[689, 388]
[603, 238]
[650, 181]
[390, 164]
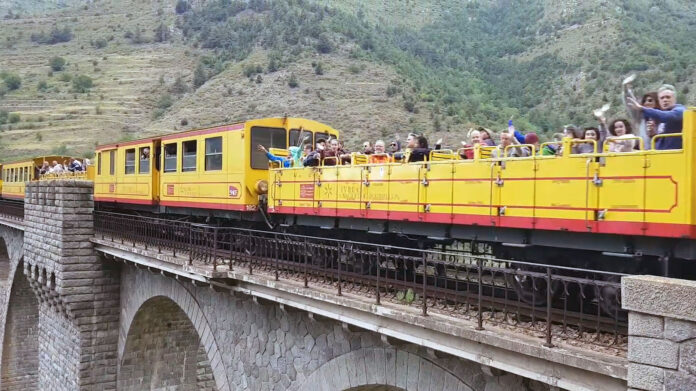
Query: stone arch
[384, 369]
[180, 307]
[20, 348]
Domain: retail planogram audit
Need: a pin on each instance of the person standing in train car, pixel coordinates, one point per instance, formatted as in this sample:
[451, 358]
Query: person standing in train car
[380, 155]
[508, 140]
[421, 151]
[284, 162]
[670, 118]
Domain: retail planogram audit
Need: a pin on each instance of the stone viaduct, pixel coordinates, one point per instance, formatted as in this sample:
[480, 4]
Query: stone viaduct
[78, 312]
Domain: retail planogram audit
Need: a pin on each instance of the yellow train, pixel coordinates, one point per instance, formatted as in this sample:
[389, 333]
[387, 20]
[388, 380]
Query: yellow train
[629, 212]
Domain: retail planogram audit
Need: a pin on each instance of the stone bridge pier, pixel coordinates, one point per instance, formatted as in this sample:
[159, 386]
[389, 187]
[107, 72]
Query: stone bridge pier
[74, 316]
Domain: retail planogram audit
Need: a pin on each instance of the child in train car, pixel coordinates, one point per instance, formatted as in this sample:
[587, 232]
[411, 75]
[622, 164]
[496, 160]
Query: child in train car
[622, 138]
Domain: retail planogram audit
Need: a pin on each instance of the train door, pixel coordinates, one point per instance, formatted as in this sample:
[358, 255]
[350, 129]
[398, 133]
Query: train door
[375, 191]
[404, 188]
[622, 193]
[435, 196]
[516, 184]
[155, 166]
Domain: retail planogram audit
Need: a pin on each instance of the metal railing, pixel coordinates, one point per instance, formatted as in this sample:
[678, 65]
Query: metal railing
[12, 210]
[554, 303]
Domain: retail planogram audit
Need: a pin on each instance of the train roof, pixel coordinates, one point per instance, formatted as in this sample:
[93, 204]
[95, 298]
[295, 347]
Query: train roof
[192, 132]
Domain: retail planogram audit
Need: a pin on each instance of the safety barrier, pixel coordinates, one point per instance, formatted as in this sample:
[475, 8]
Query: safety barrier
[551, 302]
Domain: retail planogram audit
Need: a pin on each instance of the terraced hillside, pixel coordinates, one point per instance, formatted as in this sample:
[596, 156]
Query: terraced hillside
[370, 68]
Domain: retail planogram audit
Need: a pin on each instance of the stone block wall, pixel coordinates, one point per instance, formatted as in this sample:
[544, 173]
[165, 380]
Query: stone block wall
[77, 291]
[662, 333]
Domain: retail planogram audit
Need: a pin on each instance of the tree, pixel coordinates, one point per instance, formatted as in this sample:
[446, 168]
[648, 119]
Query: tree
[57, 63]
[200, 76]
[12, 81]
[82, 83]
[319, 69]
[182, 6]
[162, 33]
[324, 45]
[292, 82]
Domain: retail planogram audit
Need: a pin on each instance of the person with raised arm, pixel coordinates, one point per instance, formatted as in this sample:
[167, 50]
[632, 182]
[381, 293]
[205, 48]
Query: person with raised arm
[670, 118]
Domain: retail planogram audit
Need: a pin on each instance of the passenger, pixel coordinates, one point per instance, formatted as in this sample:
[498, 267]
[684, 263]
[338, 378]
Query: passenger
[367, 148]
[591, 133]
[669, 119]
[474, 140]
[335, 153]
[395, 147]
[145, 154]
[507, 139]
[56, 168]
[45, 168]
[311, 158]
[75, 165]
[486, 138]
[285, 162]
[380, 155]
[420, 152]
[532, 139]
[620, 129]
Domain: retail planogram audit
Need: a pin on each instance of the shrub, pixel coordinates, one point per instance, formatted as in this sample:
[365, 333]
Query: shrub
[66, 77]
[61, 150]
[355, 68]
[12, 81]
[82, 83]
[56, 35]
[259, 79]
[162, 33]
[200, 76]
[319, 69]
[182, 6]
[57, 63]
[165, 101]
[13, 118]
[3, 117]
[324, 44]
[42, 86]
[179, 87]
[292, 82]
[99, 43]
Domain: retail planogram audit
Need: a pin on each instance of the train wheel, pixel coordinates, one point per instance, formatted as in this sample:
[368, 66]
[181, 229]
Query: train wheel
[529, 283]
[609, 301]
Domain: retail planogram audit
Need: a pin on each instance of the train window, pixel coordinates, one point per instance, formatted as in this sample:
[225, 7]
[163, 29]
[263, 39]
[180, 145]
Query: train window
[324, 136]
[269, 138]
[112, 162]
[99, 162]
[170, 157]
[144, 167]
[297, 139]
[130, 161]
[213, 153]
[188, 156]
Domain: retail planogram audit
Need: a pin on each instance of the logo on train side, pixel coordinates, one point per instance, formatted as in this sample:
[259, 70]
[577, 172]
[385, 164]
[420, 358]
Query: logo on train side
[307, 191]
[234, 191]
[170, 189]
[112, 187]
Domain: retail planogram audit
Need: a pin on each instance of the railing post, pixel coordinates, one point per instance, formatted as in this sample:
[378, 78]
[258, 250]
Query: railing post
[215, 235]
[190, 245]
[377, 294]
[425, 282]
[338, 265]
[548, 343]
[276, 250]
[306, 259]
[479, 262]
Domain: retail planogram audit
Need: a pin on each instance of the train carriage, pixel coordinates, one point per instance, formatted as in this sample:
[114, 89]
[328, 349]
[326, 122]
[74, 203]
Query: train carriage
[16, 174]
[213, 171]
[616, 207]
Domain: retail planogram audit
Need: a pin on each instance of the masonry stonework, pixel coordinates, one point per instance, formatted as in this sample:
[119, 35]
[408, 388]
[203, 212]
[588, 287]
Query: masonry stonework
[77, 291]
[662, 333]
[255, 346]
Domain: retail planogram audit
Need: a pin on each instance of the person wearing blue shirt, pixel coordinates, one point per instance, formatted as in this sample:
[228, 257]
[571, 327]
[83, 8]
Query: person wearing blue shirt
[285, 162]
[670, 117]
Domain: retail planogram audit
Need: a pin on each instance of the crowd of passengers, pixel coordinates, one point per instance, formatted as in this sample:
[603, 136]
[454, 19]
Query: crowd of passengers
[68, 166]
[656, 113]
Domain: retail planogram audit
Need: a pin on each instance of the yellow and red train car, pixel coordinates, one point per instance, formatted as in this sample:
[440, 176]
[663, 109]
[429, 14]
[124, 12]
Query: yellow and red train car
[16, 174]
[627, 205]
[198, 171]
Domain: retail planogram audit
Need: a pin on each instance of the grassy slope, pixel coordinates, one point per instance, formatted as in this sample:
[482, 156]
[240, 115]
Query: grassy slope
[127, 76]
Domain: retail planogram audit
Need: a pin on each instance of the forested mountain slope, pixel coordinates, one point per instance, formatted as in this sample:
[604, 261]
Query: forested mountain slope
[370, 68]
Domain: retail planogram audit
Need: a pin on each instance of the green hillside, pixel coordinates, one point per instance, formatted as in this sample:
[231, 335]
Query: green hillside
[369, 68]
